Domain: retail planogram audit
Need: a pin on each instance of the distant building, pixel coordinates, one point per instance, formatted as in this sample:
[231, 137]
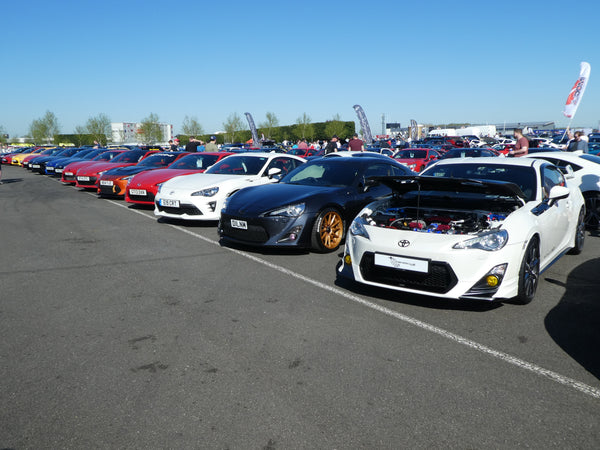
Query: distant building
[129, 132]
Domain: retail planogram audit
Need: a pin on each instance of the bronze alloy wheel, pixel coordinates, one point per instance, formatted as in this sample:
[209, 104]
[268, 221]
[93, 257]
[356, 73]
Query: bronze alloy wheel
[328, 230]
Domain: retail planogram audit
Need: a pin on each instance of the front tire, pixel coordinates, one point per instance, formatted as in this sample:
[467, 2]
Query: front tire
[328, 231]
[529, 273]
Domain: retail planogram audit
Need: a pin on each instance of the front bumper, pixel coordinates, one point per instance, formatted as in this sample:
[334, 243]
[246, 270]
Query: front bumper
[450, 273]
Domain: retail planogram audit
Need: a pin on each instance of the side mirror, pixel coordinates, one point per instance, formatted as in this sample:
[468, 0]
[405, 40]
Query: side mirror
[369, 183]
[275, 174]
[557, 193]
[273, 171]
[569, 172]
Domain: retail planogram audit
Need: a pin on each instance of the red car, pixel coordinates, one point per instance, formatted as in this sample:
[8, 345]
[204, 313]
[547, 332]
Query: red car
[69, 172]
[142, 188]
[112, 183]
[416, 158]
[87, 176]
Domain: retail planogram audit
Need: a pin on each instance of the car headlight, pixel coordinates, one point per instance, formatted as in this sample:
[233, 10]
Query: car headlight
[206, 192]
[288, 211]
[159, 187]
[127, 178]
[225, 202]
[357, 227]
[490, 241]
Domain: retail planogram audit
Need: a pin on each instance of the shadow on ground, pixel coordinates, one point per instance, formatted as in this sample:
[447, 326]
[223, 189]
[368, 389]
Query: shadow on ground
[11, 180]
[574, 323]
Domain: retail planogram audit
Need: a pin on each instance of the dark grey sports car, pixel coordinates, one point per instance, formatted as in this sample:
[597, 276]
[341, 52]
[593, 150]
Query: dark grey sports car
[310, 207]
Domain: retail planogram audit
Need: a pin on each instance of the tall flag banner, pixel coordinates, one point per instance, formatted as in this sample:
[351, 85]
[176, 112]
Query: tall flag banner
[255, 142]
[577, 91]
[414, 130]
[364, 124]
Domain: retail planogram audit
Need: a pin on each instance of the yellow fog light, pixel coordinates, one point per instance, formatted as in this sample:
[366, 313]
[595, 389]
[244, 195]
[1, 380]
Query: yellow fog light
[348, 259]
[492, 280]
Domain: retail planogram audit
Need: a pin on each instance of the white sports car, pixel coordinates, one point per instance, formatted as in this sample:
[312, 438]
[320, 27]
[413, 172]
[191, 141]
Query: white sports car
[479, 229]
[201, 196]
[586, 175]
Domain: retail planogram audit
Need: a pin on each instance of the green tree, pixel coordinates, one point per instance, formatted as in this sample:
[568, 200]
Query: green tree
[304, 127]
[150, 130]
[191, 127]
[233, 126]
[99, 128]
[337, 127]
[270, 125]
[43, 130]
[80, 135]
[3, 138]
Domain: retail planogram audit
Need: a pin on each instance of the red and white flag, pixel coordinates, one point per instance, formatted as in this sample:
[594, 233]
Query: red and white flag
[577, 91]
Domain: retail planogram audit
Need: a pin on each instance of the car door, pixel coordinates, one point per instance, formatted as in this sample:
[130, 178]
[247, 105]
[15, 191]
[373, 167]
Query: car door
[554, 221]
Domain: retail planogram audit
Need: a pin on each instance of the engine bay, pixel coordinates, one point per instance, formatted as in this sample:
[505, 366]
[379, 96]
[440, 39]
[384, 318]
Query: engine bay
[436, 220]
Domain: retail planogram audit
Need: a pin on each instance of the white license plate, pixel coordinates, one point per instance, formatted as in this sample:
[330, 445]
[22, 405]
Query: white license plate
[106, 183]
[35, 166]
[169, 202]
[58, 170]
[241, 224]
[50, 169]
[83, 178]
[399, 262]
[68, 174]
[137, 192]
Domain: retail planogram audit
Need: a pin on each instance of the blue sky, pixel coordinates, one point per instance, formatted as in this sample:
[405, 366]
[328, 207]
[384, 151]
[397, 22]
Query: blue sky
[435, 61]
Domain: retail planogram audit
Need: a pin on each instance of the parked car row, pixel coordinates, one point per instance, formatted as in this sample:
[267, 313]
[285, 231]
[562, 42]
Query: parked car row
[469, 226]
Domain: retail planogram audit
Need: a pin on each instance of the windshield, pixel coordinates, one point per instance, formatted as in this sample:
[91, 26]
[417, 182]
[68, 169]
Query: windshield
[411, 154]
[197, 161]
[129, 157]
[106, 156]
[524, 177]
[158, 160]
[325, 172]
[239, 165]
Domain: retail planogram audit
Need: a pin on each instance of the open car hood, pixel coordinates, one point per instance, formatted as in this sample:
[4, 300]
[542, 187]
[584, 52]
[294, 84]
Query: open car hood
[404, 184]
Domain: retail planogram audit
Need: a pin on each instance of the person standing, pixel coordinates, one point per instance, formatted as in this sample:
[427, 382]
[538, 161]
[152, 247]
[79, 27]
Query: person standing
[578, 143]
[522, 145]
[192, 145]
[172, 146]
[212, 145]
[355, 144]
[332, 145]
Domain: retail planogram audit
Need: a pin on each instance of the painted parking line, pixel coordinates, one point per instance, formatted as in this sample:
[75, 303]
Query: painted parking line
[525, 365]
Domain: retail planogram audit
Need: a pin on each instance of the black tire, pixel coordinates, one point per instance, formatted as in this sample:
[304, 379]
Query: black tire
[579, 234]
[592, 210]
[529, 273]
[328, 231]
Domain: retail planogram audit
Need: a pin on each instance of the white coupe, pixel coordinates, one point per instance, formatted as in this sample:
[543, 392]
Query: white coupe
[201, 196]
[480, 229]
[585, 169]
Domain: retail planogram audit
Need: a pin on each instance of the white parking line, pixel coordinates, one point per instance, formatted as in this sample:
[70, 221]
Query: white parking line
[556, 377]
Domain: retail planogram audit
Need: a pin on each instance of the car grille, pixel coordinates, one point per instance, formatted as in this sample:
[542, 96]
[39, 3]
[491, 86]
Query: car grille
[149, 197]
[440, 279]
[184, 208]
[255, 233]
[110, 190]
[91, 182]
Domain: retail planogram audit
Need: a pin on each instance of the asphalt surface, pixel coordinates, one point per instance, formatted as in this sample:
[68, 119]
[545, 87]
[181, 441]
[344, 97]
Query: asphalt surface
[119, 331]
